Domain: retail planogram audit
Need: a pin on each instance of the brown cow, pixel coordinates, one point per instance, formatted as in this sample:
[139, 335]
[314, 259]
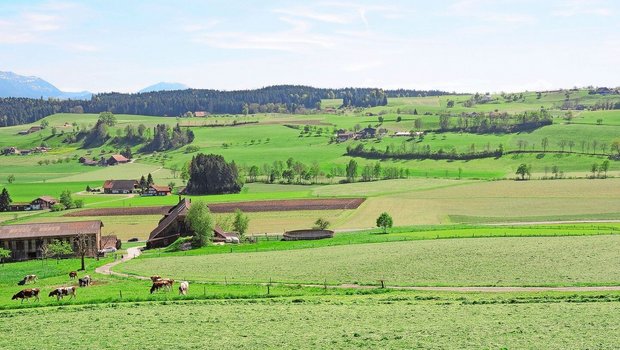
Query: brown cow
[155, 278]
[61, 292]
[27, 294]
[157, 285]
[73, 275]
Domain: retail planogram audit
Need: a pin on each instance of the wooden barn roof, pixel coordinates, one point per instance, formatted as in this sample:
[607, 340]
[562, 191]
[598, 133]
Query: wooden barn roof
[120, 184]
[179, 210]
[50, 229]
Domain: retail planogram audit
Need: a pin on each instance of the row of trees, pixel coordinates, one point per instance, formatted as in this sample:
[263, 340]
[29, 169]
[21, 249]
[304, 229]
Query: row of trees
[424, 152]
[166, 138]
[598, 171]
[495, 122]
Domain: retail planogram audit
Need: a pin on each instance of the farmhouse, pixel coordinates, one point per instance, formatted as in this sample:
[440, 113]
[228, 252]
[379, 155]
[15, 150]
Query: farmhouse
[31, 130]
[26, 241]
[43, 202]
[156, 190]
[402, 134]
[117, 159]
[366, 133]
[120, 186]
[343, 136]
[173, 226]
[200, 114]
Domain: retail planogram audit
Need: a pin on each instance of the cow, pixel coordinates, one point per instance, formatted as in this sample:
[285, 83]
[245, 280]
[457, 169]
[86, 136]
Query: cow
[183, 288]
[73, 275]
[61, 292]
[169, 282]
[157, 285]
[28, 278]
[85, 281]
[27, 294]
[155, 278]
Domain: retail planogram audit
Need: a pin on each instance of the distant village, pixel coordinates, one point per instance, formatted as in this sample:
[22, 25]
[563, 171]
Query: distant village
[343, 135]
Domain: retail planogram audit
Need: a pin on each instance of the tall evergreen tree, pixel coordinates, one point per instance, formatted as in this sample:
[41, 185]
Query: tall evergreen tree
[149, 180]
[5, 200]
[211, 174]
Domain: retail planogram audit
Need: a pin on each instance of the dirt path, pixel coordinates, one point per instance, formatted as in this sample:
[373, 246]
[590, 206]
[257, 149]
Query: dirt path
[131, 253]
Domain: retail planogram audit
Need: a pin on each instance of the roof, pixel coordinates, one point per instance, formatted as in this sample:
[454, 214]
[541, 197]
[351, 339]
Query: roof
[120, 184]
[160, 188]
[50, 229]
[218, 231]
[119, 158]
[179, 210]
[48, 199]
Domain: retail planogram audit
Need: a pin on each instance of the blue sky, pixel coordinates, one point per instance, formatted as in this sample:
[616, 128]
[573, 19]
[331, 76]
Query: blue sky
[460, 45]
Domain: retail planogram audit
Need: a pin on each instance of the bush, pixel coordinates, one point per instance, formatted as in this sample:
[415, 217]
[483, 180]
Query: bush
[78, 203]
[58, 207]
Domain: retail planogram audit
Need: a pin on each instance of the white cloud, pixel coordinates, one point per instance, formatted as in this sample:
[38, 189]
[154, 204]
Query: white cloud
[570, 8]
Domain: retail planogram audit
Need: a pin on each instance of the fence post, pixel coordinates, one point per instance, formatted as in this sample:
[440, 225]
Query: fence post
[382, 284]
[204, 291]
[120, 293]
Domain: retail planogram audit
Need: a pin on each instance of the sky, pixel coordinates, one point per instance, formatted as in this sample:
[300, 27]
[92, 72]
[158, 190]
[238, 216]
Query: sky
[453, 45]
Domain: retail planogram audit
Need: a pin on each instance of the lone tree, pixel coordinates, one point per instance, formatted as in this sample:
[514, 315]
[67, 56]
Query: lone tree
[200, 221]
[351, 170]
[211, 174]
[241, 223]
[5, 200]
[149, 180]
[82, 247]
[384, 221]
[58, 249]
[523, 170]
[321, 224]
[66, 200]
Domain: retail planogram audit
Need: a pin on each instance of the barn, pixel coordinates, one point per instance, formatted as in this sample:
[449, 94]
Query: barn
[157, 190]
[173, 226]
[116, 159]
[26, 241]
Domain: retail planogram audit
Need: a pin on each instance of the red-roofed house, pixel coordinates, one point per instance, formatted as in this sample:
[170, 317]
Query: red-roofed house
[156, 190]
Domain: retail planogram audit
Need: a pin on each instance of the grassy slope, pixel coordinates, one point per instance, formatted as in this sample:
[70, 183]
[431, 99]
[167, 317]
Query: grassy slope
[327, 322]
[464, 262]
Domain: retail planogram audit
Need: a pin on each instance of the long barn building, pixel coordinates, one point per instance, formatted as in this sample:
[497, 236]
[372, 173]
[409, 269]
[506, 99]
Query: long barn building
[25, 241]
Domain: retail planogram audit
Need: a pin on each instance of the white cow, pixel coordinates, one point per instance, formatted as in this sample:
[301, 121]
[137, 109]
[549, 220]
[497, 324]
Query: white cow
[183, 288]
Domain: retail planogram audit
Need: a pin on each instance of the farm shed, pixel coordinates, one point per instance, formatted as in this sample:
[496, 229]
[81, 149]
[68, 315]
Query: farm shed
[120, 186]
[110, 241]
[173, 226]
[116, 159]
[25, 241]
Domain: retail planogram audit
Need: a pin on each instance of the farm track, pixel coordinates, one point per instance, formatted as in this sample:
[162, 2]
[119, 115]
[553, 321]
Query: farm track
[255, 206]
[134, 252]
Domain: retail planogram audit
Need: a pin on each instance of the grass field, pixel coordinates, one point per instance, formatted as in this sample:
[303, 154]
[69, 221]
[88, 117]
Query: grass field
[323, 322]
[513, 261]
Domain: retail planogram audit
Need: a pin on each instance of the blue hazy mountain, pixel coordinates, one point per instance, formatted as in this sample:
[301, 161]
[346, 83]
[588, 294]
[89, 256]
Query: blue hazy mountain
[164, 86]
[15, 85]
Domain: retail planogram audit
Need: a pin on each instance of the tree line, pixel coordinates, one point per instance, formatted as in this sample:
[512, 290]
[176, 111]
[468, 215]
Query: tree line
[277, 99]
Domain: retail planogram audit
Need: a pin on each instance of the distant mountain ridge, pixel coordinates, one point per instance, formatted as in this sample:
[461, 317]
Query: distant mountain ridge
[15, 85]
[164, 86]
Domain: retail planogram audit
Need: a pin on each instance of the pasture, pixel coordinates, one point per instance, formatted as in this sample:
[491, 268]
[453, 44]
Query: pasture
[379, 321]
[498, 261]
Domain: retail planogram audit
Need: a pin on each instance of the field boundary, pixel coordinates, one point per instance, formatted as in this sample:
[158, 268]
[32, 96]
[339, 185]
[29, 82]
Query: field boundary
[250, 206]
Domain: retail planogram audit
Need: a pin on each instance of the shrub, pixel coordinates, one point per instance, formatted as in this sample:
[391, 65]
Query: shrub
[58, 207]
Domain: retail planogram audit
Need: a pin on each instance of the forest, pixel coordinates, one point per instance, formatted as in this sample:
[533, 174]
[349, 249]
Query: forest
[274, 99]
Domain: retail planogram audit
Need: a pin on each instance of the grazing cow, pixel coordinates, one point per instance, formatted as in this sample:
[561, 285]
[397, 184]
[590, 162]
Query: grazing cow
[72, 275]
[169, 282]
[155, 278]
[183, 288]
[28, 278]
[157, 285]
[85, 281]
[61, 292]
[27, 294]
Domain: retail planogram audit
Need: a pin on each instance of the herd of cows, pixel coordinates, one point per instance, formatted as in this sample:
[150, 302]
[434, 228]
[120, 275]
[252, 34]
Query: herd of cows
[60, 292]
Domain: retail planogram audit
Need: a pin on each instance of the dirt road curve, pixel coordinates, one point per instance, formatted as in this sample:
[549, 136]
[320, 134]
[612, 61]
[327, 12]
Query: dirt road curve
[107, 268]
